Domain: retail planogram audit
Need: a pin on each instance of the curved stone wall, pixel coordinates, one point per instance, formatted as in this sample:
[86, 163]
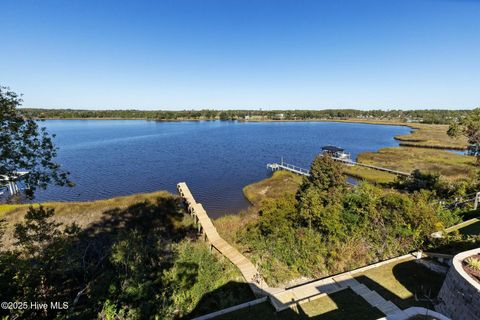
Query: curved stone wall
[459, 297]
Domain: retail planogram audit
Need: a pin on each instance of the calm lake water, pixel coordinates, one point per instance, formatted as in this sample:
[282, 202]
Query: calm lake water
[217, 159]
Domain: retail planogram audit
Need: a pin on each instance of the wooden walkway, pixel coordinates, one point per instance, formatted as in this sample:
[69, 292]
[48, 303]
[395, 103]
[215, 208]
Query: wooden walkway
[288, 167]
[354, 163]
[210, 234]
[304, 172]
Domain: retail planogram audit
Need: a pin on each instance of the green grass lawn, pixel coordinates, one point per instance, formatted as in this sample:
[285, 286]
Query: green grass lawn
[471, 224]
[399, 282]
[341, 305]
[471, 229]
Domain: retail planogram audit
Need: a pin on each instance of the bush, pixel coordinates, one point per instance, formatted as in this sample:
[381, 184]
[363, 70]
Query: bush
[329, 228]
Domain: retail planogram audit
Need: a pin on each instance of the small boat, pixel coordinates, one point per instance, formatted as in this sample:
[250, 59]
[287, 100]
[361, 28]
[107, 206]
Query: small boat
[336, 152]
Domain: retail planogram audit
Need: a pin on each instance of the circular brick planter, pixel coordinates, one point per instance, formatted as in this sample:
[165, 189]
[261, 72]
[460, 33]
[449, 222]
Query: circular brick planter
[459, 297]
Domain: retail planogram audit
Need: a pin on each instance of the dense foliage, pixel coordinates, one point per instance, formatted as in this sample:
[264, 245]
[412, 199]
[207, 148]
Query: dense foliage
[24, 146]
[426, 116]
[329, 227]
[469, 126]
[442, 189]
[139, 263]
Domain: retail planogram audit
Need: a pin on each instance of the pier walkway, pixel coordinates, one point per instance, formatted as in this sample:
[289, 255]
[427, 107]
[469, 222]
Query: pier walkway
[210, 234]
[304, 172]
[289, 167]
[354, 163]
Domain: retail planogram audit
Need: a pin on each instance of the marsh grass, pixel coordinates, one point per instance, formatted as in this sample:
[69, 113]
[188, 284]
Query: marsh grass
[82, 213]
[275, 187]
[431, 136]
[6, 208]
[450, 165]
[149, 236]
[370, 175]
[422, 135]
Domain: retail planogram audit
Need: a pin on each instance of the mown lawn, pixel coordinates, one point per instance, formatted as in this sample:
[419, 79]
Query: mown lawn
[472, 228]
[341, 305]
[405, 283]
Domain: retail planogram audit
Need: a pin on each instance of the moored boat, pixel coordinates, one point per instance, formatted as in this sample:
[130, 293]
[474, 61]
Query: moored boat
[336, 152]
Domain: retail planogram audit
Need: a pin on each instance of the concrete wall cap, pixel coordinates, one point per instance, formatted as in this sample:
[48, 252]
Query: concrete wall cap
[458, 265]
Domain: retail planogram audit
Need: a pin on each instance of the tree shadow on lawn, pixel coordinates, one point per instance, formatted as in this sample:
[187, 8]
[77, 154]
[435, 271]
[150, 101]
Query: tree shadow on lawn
[148, 228]
[456, 244]
[228, 295]
[423, 284]
[82, 270]
[471, 230]
[470, 214]
[344, 304]
[159, 223]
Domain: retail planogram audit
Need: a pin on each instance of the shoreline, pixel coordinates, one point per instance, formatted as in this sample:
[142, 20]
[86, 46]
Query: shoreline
[407, 140]
[353, 120]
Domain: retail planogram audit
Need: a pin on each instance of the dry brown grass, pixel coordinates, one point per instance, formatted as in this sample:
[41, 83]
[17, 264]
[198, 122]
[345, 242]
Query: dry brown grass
[277, 185]
[432, 136]
[419, 150]
[370, 175]
[422, 135]
[82, 213]
[450, 165]
[228, 226]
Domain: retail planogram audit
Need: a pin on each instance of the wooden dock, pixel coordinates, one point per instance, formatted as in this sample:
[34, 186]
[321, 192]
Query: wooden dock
[354, 163]
[304, 172]
[210, 234]
[289, 167]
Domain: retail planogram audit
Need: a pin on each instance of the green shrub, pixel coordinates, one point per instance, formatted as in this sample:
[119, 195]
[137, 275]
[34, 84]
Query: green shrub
[328, 228]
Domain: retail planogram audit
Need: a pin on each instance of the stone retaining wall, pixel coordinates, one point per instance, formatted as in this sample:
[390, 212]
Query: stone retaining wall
[459, 297]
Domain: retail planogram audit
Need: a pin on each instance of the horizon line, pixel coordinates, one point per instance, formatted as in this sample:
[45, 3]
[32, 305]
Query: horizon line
[256, 109]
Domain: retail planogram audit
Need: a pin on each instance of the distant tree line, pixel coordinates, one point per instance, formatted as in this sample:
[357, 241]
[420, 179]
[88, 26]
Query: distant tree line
[425, 116]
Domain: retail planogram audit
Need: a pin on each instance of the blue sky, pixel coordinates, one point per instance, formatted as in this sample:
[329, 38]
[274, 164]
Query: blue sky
[270, 54]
